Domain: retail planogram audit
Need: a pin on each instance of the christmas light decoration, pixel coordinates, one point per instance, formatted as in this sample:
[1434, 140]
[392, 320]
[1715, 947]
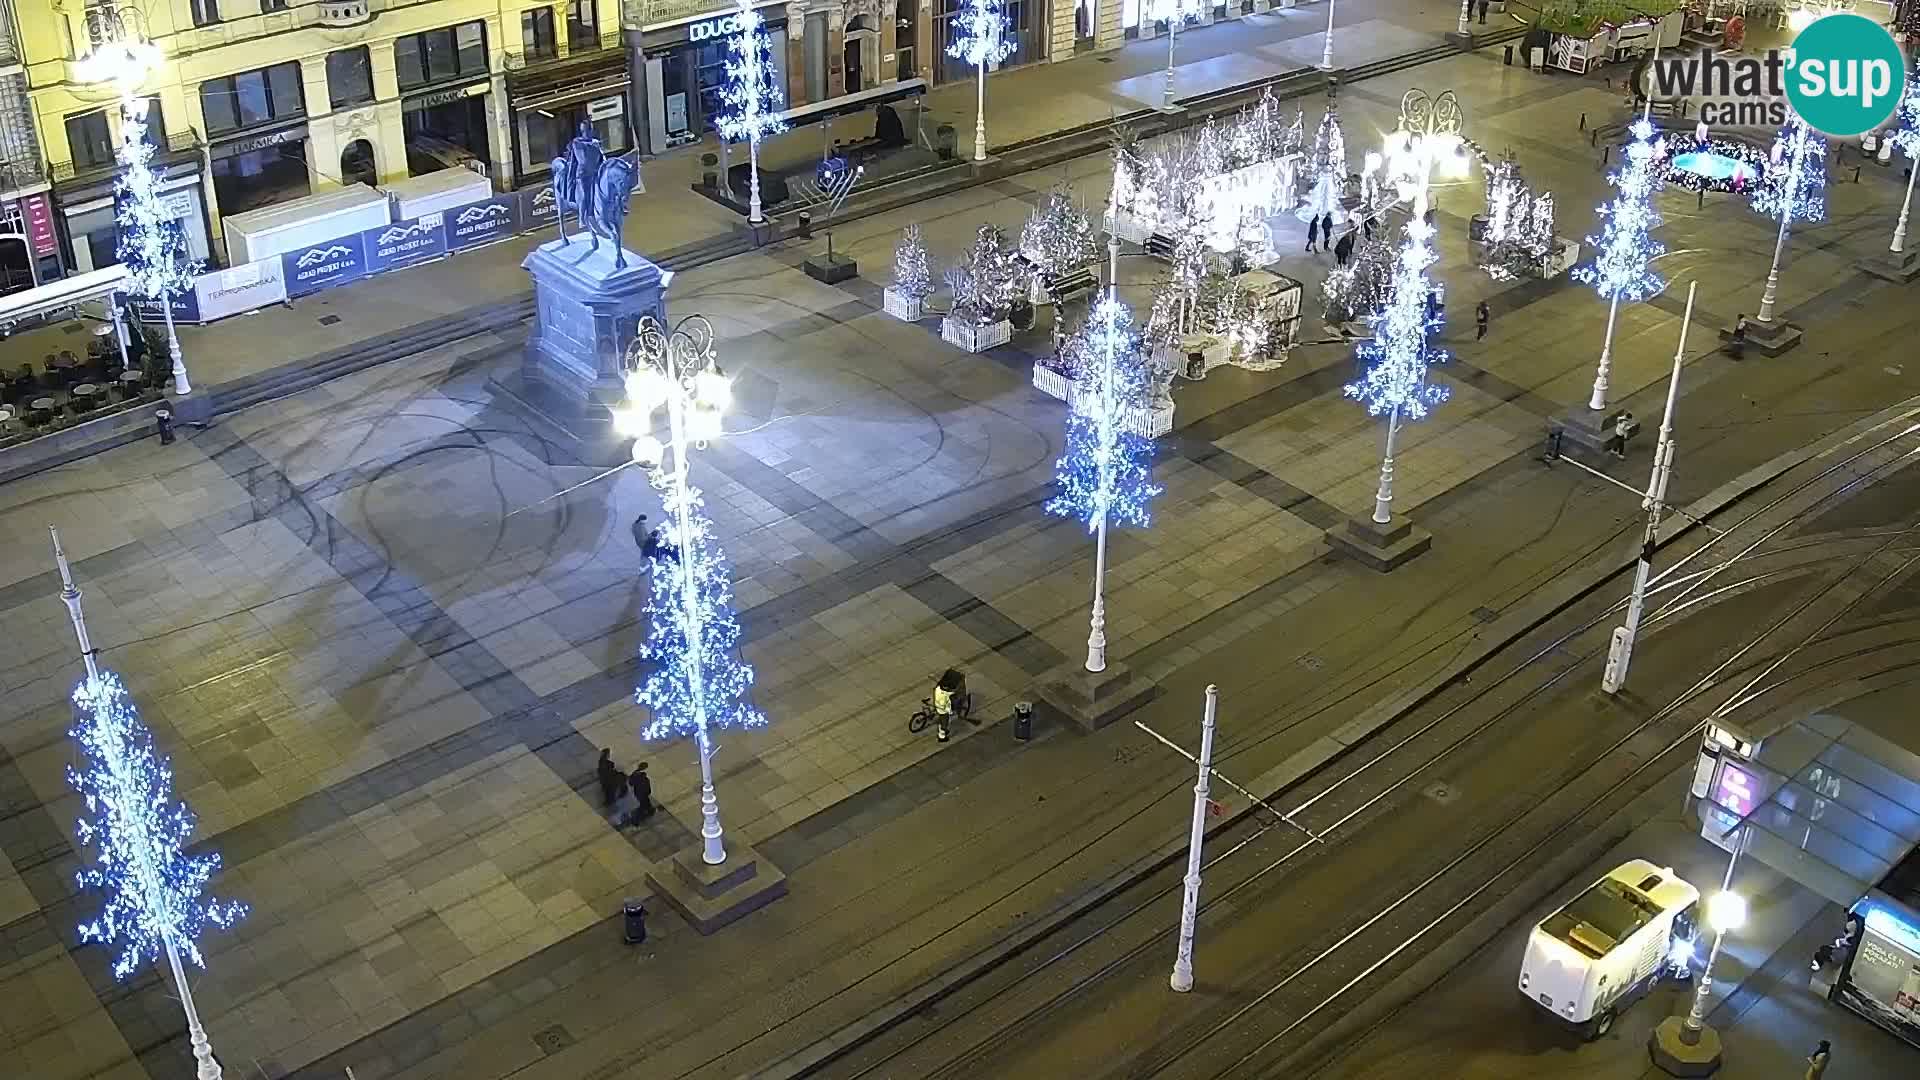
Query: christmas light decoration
[1395, 383]
[149, 241]
[912, 276]
[1175, 13]
[1625, 249]
[698, 680]
[1361, 287]
[1711, 164]
[751, 100]
[1906, 139]
[1519, 232]
[1105, 471]
[1794, 189]
[980, 38]
[1327, 166]
[1058, 238]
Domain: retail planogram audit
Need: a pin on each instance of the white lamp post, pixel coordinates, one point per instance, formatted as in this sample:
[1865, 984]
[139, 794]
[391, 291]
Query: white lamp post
[1465, 5]
[1906, 138]
[1326, 47]
[1726, 911]
[678, 369]
[1800, 140]
[1428, 136]
[1182, 977]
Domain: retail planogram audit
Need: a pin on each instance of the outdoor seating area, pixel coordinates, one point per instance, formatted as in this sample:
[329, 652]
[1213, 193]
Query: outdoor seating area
[64, 389]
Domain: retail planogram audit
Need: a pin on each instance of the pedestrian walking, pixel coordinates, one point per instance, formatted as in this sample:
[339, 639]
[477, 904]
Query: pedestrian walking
[612, 780]
[1737, 341]
[1344, 249]
[653, 542]
[1481, 315]
[642, 787]
[1817, 1061]
[1483, 12]
[1326, 231]
[1313, 232]
[1366, 224]
[1622, 427]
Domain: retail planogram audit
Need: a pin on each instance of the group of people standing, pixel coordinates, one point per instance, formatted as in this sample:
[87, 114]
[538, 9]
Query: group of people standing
[1320, 231]
[614, 785]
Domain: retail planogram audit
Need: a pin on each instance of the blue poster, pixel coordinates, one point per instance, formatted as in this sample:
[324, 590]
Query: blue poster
[186, 308]
[537, 208]
[324, 265]
[481, 222]
[404, 243]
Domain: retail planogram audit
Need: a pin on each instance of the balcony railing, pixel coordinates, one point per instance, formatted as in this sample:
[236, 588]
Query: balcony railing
[18, 175]
[533, 61]
[178, 142]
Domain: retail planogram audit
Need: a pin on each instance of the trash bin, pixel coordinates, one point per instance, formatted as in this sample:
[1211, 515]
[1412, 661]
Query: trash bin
[633, 920]
[163, 420]
[1023, 720]
[1509, 52]
[945, 141]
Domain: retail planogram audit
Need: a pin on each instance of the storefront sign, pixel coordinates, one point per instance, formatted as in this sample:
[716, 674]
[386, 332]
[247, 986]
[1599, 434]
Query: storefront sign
[538, 208]
[482, 222]
[443, 97]
[661, 12]
[324, 265]
[602, 108]
[247, 287]
[1736, 789]
[186, 308]
[236, 147]
[708, 29]
[38, 214]
[404, 243]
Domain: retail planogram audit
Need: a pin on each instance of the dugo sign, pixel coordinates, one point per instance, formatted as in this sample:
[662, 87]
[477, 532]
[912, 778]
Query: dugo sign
[709, 29]
[1842, 76]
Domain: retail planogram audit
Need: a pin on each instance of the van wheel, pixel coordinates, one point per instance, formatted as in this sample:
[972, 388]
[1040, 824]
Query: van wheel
[1598, 1027]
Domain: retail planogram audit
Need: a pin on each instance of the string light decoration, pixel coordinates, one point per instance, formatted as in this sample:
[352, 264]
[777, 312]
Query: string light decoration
[1622, 270]
[1395, 382]
[1327, 165]
[1058, 238]
[912, 274]
[698, 681]
[149, 240]
[1795, 185]
[980, 39]
[1712, 164]
[1362, 286]
[751, 100]
[1519, 232]
[155, 893]
[1905, 137]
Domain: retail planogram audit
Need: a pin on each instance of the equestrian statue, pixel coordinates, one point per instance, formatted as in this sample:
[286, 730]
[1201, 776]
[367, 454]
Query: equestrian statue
[595, 189]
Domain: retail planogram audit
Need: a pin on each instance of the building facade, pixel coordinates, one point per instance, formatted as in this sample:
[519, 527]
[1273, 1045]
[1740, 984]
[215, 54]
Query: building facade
[28, 244]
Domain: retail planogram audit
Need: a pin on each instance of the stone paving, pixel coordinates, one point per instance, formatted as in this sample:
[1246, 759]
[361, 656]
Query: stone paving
[382, 652]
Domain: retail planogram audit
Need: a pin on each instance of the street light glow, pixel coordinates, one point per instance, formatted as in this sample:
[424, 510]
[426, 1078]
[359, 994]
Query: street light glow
[1727, 911]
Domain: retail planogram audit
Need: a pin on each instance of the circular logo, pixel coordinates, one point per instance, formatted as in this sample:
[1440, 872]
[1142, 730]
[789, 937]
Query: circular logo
[1846, 75]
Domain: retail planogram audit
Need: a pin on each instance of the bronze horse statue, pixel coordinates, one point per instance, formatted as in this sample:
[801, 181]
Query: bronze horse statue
[595, 189]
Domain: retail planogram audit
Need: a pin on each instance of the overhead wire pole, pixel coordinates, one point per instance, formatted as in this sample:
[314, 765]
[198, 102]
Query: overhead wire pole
[1620, 647]
[1182, 978]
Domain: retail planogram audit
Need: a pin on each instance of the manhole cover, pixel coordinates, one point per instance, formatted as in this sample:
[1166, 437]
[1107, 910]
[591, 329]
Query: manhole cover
[1485, 614]
[553, 1040]
[1311, 662]
[329, 320]
[1440, 791]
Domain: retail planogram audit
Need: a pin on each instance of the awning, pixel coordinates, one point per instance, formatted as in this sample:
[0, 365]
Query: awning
[58, 297]
[848, 104]
[1827, 802]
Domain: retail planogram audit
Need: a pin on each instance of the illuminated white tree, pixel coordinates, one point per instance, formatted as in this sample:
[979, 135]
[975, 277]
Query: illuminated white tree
[1395, 383]
[149, 240]
[751, 99]
[1624, 251]
[1906, 139]
[980, 38]
[1794, 189]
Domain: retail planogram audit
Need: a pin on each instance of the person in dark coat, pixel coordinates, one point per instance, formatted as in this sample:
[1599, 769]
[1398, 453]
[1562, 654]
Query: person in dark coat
[1366, 225]
[1326, 230]
[1483, 12]
[1343, 250]
[653, 542]
[1482, 314]
[612, 780]
[1737, 343]
[1313, 232]
[642, 793]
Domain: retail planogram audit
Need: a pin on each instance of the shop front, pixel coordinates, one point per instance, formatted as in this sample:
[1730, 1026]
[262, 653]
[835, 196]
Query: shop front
[446, 128]
[687, 71]
[1881, 979]
[550, 103]
[87, 212]
[1026, 30]
[260, 168]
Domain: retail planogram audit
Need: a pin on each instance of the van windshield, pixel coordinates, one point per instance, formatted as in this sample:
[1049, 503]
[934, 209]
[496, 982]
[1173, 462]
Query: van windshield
[1601, 918]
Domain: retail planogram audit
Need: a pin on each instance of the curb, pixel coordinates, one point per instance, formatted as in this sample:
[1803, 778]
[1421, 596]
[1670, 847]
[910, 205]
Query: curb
[1545, 603]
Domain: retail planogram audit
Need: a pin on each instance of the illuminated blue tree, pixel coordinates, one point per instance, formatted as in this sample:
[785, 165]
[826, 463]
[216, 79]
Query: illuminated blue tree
[1906, 139]
[1622, 268]
[751, 100]
[1105, 470]
[1793, 189]
[980, 39]
[1395, 382]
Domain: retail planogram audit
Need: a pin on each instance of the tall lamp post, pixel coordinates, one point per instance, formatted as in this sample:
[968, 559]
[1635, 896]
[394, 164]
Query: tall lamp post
[1326, 47]
[1906, 138]
[1428, 137]
[1796, 193]
[980, 38]
[119, 53]
[698, 683]
[1465, 12]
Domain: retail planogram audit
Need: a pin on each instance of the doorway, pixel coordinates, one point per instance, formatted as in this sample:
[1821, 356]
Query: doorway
[856, 81]
[356, 164]
[1086, 23]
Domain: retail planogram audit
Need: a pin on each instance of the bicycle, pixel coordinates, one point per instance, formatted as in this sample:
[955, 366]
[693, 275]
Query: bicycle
[924, 715]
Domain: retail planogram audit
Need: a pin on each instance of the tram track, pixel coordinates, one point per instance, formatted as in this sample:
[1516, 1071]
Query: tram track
[1086, 948]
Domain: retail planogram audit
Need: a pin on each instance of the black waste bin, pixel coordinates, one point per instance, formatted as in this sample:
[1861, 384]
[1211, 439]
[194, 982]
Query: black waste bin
[633, 920]
[945, 142]
[1509, 59]
[1023, 720]
[163, 420]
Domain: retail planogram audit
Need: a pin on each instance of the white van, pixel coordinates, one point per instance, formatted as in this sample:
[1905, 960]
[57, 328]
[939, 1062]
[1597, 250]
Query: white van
[1609, 945]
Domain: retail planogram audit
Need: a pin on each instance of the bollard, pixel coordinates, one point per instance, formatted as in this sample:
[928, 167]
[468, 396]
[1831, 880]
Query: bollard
[1023, 720]
[1856, 174]
[1583, 121]
[804, 222]
[1606, 157]
[1703, 199]
[1509, 56]
[633, 920]
[163, 420]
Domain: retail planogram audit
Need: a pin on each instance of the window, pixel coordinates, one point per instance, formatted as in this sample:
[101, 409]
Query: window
[205, 12]
[454, 52]
[536, 34]
[583, 25]
[273, 5]
[156, 122]
[349, 77]
[88, 139]
[252, 98]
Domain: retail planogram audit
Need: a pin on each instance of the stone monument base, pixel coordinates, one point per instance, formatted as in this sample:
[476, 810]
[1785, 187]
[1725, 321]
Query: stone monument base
[1887, 266]
[1383, 547]
[1769, 338]
[1676, 1057]
[710, 897]
[581, 431]
[1588, 430]
[831, 269]
[1094, 699]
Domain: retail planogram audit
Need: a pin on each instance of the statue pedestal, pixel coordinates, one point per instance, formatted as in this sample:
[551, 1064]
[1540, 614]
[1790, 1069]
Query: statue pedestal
[585, 315]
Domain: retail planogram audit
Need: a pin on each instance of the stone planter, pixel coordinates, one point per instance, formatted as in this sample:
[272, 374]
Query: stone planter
[1151, 422]
[1051, 382]
[901, 306]
[975, 337]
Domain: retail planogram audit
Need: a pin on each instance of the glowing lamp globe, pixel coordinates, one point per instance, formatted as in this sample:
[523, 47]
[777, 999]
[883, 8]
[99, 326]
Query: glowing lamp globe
[713, 389]
[646, 389]
[703, 423]
[630, 423]
[647, 451]
[1727, 911]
